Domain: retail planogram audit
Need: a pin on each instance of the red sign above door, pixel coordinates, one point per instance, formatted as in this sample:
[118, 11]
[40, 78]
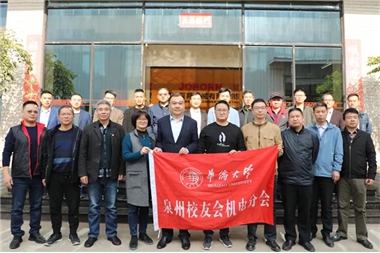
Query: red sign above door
[195, 20]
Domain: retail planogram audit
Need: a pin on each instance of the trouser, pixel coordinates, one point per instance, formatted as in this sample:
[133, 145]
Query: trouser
[270, 232]
[222, 232]
[138, 215]
[293, 196]
[59, 185]
[168, 232]
[323, 188]
[20, 188]
[107, 188]
[357, 189]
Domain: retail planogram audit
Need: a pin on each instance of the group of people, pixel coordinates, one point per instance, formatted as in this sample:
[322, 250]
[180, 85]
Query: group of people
[319, 149]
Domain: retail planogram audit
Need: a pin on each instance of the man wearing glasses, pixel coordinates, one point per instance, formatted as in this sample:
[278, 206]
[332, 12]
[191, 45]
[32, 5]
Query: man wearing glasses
[299, 96]
[23, 143]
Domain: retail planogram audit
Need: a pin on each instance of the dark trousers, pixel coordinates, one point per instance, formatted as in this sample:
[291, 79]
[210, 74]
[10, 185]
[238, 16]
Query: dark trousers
[270, 232]
[323, 188]
[293, 196]
[20, 188]
[60, 185]
[168, 232]
[222, 232]
[138, 215]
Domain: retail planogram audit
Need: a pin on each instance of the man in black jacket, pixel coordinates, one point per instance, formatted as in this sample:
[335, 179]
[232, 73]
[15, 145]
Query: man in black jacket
[22, 143]
[295, 173]
[100, 167]
[359, 152]
[59, 170]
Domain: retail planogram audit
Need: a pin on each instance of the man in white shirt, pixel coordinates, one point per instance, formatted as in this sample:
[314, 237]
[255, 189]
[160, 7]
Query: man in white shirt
[333, 116]
[195, 111]
[47, 114]
[224, 94]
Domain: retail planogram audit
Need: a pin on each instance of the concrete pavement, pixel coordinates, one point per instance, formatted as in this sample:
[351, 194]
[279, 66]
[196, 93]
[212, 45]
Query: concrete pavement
[237, 236]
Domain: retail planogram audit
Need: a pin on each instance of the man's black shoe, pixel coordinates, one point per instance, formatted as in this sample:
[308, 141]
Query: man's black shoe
[133, 243]
[365, 243]
[56, 237]
[15, 243]
[90, 241]
[273, 245]
[338, 237]
[162, 243]
[145, 238]
[288, 244]
[308, 246]
[328, 241]
[37, 237]
[251, 244]
[185, 243]
[115, 240]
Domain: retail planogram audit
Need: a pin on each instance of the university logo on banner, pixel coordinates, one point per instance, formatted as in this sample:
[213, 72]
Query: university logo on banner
[212, 191]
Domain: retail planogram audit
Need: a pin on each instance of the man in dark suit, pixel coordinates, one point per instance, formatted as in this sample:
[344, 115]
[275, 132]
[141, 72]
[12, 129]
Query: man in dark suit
[333, 116]
[176, 133]
[100, 167]
[81, 117]
[47, 114]
[195, 111]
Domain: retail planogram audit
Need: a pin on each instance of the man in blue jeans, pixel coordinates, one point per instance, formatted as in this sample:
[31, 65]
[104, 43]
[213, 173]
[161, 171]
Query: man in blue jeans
[100, 168]
[23, 142]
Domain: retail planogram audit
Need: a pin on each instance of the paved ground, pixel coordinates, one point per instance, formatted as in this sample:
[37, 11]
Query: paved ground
[237, 235]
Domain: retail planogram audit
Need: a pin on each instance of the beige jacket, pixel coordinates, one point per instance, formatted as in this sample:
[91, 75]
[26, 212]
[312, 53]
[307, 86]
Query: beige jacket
[262, 136]
[117, 116]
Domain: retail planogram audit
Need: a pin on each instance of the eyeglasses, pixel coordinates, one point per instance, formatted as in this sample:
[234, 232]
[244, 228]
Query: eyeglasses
[66, 114]
[31, 111]
[142, 119]
[221, 110]
[109, 98]
[259, 108]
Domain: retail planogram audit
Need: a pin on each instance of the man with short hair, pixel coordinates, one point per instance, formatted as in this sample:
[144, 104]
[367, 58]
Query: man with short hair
[47, 114]
[277, 114]
[195, 111]
[22, 143]
[299, 96]
[210, 142]
[117, 115]
[160, 109]
[139, 100]
[358, 170]
[176, 133]
[81, 117]
[261, 133]
[245, 113]
[364, 121]
[100, 168]
[326, 171]
[224, 94]
[59, 166]
[333, 116]
[295, 173]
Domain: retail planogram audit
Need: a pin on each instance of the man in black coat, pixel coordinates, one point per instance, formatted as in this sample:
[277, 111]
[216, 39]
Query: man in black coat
[295, 173]
[59, 171]
[100, 167]
[176, 133]
[359, 152]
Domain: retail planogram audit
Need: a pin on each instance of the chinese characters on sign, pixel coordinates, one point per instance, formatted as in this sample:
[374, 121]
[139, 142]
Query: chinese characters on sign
[213, 191]
[195, 20]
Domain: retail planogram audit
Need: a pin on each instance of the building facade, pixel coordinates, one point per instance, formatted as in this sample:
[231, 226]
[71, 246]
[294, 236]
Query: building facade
[263, 46]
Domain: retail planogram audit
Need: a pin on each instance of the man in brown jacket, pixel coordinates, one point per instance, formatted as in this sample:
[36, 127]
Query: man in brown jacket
[262, 134]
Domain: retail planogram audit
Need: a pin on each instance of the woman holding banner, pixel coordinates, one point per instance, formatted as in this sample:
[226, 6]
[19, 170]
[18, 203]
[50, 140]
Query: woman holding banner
[135, 147]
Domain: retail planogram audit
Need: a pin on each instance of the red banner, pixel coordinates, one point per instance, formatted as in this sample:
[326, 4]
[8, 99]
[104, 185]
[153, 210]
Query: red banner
[212, 191]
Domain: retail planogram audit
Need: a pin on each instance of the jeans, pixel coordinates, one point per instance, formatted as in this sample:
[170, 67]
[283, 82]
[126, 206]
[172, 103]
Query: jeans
[138, 215]
[19, 189]
[107, 188]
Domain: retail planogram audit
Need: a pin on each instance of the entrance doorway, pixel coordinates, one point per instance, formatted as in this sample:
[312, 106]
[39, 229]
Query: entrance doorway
[189, 68]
